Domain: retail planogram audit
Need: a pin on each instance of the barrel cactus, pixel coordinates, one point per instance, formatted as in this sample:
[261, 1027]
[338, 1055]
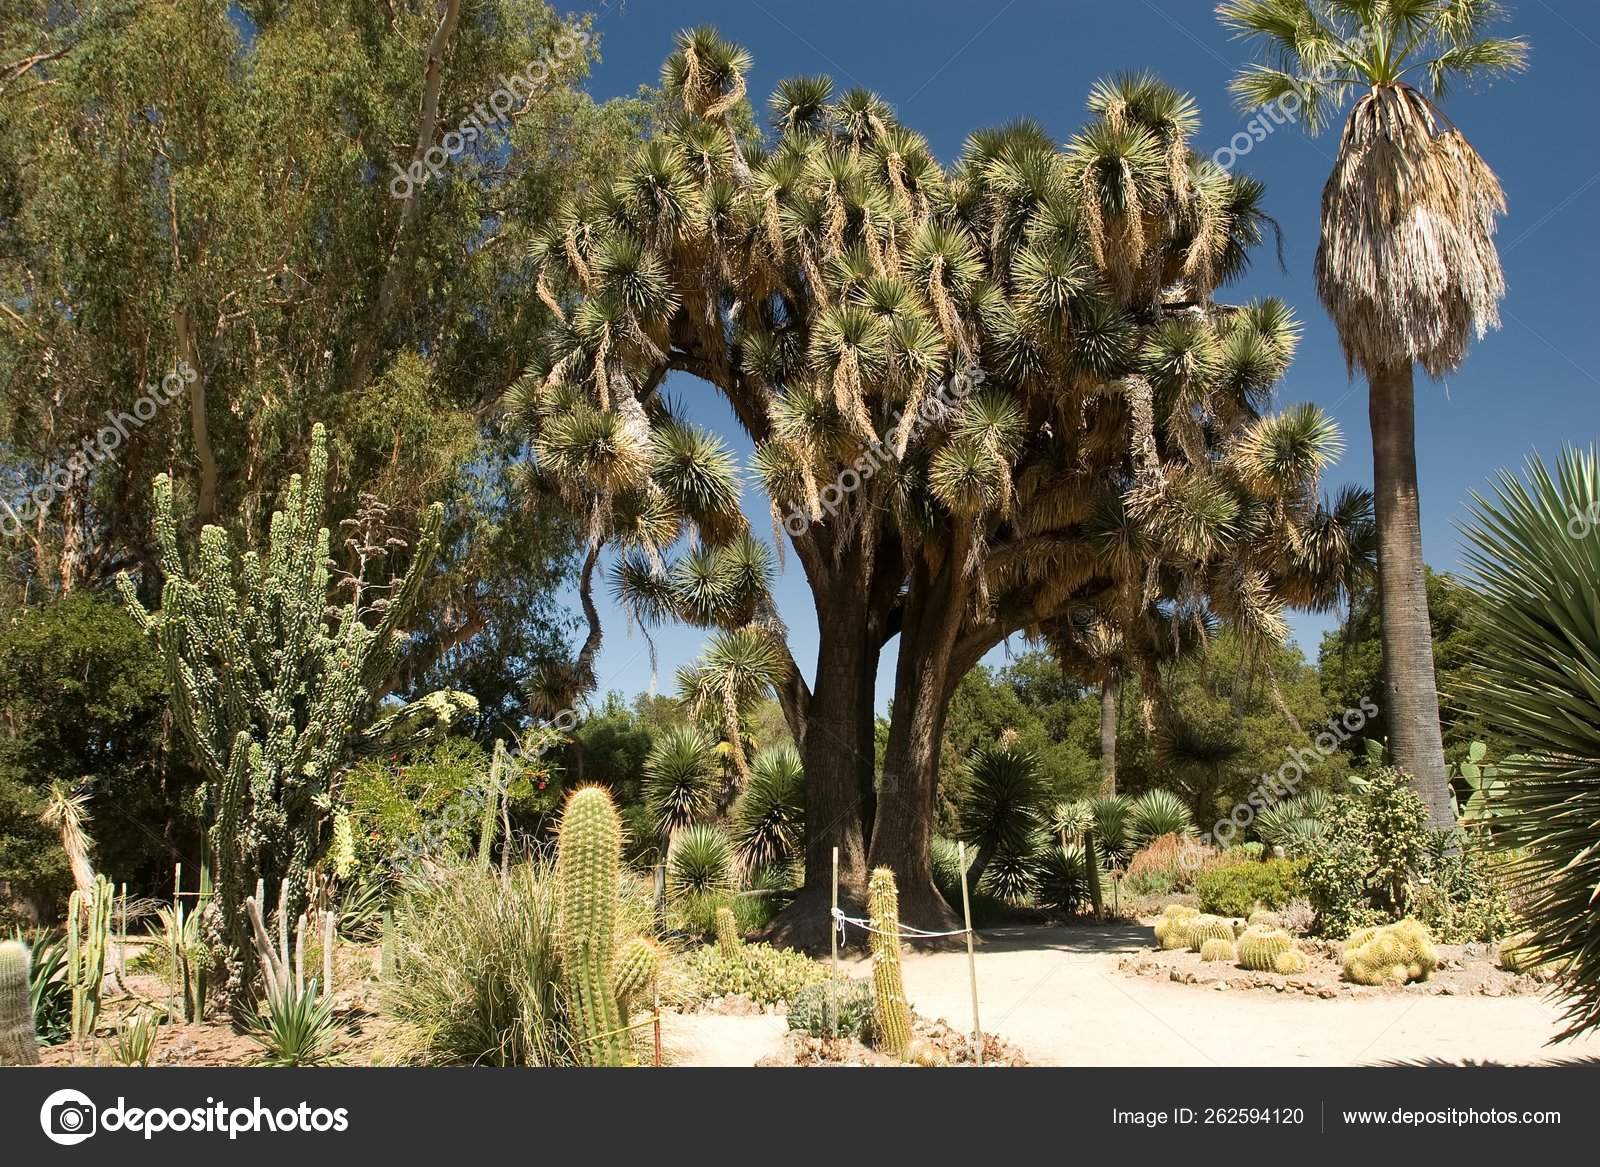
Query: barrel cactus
[1289, 963]
[893, 1011]
[1215, 949]
[1262, 918]
[588, 860]
[727, 929]
[18, 1044]
[1394, 952]
[1172, 929]
[1203, 928]
[1259, 948]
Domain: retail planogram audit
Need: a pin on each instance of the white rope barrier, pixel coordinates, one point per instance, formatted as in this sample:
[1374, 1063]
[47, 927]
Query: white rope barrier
[906, 932]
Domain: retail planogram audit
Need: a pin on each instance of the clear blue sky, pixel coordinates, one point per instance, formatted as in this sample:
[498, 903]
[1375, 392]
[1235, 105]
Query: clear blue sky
[951, 67]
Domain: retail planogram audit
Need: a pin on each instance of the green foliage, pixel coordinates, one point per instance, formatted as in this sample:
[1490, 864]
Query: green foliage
[85, 698]
[1536, 550]
[394, 802]
[19, 1046]
[1298, 825]
[1458, 894]
[700, 861]
[891, 1008]
[835, 1008]
[1376, 838]
[1064, 879]
[1235, 889]
[296, 1027]
[136, 1039]
[760, 972]
[1000, 803]
[681, 779]
[769, 816]
[588, 864]
[49, 992]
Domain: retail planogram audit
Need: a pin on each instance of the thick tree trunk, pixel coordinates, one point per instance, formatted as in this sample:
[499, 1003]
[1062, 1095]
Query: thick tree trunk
[834, 753]
[903, 837]
[1110, 706]
[1410, 698]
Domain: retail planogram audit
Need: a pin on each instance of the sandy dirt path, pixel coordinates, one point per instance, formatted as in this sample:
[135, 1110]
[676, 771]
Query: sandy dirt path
[1056, 992]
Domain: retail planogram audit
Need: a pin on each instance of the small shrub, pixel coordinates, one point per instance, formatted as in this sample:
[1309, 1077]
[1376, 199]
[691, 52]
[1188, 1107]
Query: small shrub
[1063, 880]
[764, 974]
[1376, 840]
[834, 1008]
[696, 914]
[1239, 888]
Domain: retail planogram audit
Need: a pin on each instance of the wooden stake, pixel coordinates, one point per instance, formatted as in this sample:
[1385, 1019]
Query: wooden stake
[833, 944]
[972, 960]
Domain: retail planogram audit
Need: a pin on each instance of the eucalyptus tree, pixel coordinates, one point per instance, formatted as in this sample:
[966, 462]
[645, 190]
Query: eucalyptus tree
[978, 395]
[1406, 265]
[212, 184]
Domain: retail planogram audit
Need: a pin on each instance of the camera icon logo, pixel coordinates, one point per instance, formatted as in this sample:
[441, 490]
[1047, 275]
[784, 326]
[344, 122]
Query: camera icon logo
[68, 1117]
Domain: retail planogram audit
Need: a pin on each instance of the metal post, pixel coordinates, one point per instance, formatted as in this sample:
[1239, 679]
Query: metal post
[972, 960]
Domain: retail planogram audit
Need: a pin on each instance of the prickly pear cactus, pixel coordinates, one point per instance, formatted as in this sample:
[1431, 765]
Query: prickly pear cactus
[893, 1011]
[1217, 950]
[728, 942]
[588, 858]
[19, 1046]
[1260, 947]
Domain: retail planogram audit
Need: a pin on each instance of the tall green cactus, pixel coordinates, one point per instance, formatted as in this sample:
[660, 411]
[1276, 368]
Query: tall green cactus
[88, 937]
[892, 1010]
[588, 859]
[727, 929]
[272, 694]
[19, 1045]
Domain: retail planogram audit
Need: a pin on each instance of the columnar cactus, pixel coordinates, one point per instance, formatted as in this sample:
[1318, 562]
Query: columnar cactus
[1215, 949]
[1172, 929]
[19, 1046]
[727, 933]
[272, 694]
[588, 860]
[892, 1010]
[1260, 947]
[1202, 928]
[1394, 952]
[88, 937]
[638, 964]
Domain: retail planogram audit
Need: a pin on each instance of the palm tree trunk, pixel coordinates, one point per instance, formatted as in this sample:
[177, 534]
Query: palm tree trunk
[1110, 695]
[1410, 697]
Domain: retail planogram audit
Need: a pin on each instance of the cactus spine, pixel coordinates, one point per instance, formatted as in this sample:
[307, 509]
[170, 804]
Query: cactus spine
[588, 857]
[88, 937]
[893, 1011]
[1216, 949]
[637, 967]
[19, 1046]
[727, 933]
[1260, 947]
[271, 696]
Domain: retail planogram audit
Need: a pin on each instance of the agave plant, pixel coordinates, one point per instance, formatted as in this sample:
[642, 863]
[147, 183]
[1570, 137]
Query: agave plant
[1157, 812]
[1000, 810]
[700, 861]
[296, 1027]
[1540, 687]
[769, 817]
[680, 780]
[1296, 824]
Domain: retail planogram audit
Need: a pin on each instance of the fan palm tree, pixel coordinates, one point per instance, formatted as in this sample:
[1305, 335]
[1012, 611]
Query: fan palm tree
[1406, 265]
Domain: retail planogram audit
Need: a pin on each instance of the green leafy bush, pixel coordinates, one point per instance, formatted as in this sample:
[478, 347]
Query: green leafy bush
[834, 1008]
[1459, 894]
[1235, 889]
[764, 974]
[1357, 873]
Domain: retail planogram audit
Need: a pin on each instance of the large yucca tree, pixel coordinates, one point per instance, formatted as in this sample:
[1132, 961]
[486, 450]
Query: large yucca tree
[1536, 554]
[1116, 452]
[1406, 266]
